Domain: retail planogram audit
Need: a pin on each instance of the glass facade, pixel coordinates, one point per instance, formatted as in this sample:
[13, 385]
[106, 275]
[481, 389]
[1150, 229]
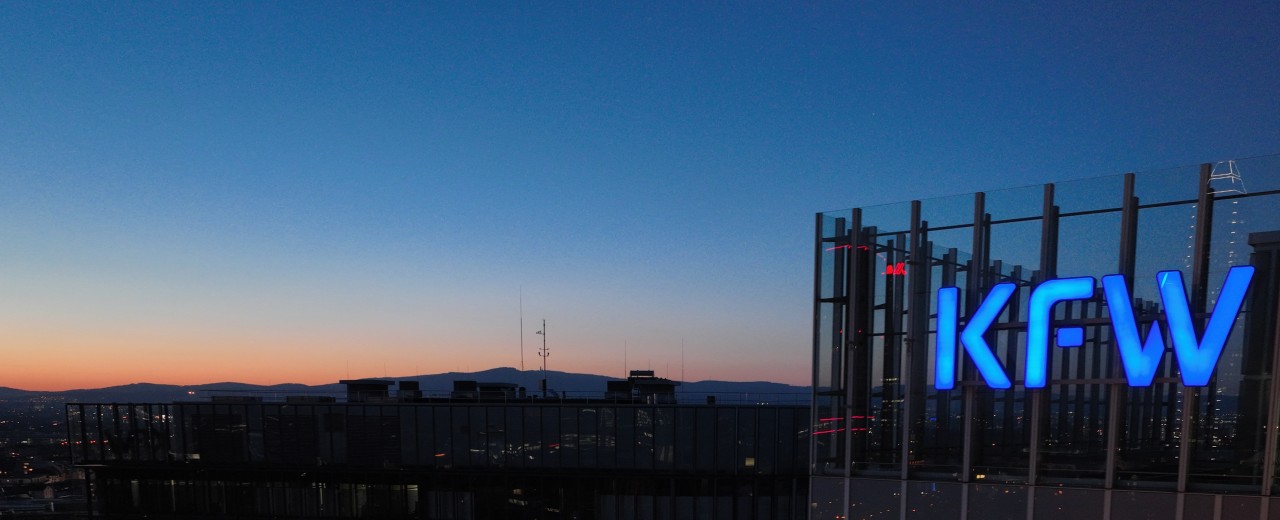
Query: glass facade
[1087, 441]
[443, 460]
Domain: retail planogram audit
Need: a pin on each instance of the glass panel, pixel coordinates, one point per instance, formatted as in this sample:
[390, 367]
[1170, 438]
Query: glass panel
[626, 417]
[1068, 503]
[664, 437]
[706, 438]
[1089, 245]
[685, 439]
[1015, 203]
[1167, 185]
[587, 440]
[1074, 450]
[991, 501]
[533, 436]
[1015, 250]
[1150, 421]
[1255, 174]
[1194, 506]
[747, 458]
[476, 433]
[828, 356]
[460, 433]
[1232, 409]
[793, 439]
[1092, 194]
[767, 450]
[495, 436]
[888, 218]
[425, 437]
[725, 443]
[569, 437]
[873, 499]
[606, 439]
[644, 438]
[1132, 505]
[955, 210]
[551, 436]
[933, 500]
[516, 443]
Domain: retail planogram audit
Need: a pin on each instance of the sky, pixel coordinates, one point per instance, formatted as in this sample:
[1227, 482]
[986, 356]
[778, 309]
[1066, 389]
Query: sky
[310, 191]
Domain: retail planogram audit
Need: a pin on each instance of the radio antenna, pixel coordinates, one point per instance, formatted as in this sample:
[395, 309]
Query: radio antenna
[521, 328]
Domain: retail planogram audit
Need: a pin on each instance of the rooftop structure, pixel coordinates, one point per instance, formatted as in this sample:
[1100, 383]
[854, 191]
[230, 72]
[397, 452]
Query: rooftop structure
[1071, 350]
[486, 451]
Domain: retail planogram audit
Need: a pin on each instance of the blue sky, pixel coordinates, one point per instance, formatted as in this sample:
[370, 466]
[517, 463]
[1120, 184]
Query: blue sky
[276, 192]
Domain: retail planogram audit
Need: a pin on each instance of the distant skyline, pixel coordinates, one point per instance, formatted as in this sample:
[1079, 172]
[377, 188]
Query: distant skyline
[301, 191]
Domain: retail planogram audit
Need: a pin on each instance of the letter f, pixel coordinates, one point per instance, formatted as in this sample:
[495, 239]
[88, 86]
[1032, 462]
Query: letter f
[1039, 318]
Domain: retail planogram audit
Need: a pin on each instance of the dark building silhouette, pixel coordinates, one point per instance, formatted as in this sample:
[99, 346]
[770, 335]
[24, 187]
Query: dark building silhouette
[484, 450]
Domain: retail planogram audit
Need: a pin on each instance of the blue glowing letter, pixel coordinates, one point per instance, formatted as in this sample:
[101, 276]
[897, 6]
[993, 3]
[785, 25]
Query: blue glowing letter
[944, 373]
[1196, 359]
[944, 368]
[1039, 314]
[1139, 358]
[971, 337]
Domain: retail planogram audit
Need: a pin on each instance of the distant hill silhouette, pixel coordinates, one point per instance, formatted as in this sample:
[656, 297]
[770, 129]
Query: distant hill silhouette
[565, 383]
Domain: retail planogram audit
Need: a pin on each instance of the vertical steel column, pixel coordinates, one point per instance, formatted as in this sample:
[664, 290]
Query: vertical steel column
[838, 285]
[1199, 295]
[1048, 268]
[1128, 261]
[905, 377]
[949, 262]
[894, 343]
[851, 341]
[817, 342]
[973, 283]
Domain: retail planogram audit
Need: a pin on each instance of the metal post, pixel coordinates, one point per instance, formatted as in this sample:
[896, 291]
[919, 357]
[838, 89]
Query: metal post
[1199, 295]
[1048, 267]
[851, 342]
[1128, 261]
[544, 354]
[973, 281]
[817, 313]
[905, 378]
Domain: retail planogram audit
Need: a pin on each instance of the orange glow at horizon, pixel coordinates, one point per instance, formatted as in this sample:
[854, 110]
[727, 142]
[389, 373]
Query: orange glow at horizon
[68, 360]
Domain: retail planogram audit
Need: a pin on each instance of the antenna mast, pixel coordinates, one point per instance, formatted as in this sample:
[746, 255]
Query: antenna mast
[522, 328]
[544, 354]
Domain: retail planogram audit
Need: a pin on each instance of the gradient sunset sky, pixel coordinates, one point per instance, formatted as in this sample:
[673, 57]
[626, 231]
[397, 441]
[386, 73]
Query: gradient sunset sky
[302, 191]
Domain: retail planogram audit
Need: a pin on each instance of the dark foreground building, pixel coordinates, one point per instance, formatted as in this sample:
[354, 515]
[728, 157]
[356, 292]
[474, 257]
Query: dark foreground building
[484, 452]
[1103, 348]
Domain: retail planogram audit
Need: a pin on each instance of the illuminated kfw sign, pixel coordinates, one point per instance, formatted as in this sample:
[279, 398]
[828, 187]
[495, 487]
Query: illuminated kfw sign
[1196, 356]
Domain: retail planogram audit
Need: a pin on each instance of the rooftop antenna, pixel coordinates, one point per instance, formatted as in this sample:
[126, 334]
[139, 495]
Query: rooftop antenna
[544, 354]
[522, 328]
[1227, 171]
[681, 360]
[1229, 181]
[624, 358]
